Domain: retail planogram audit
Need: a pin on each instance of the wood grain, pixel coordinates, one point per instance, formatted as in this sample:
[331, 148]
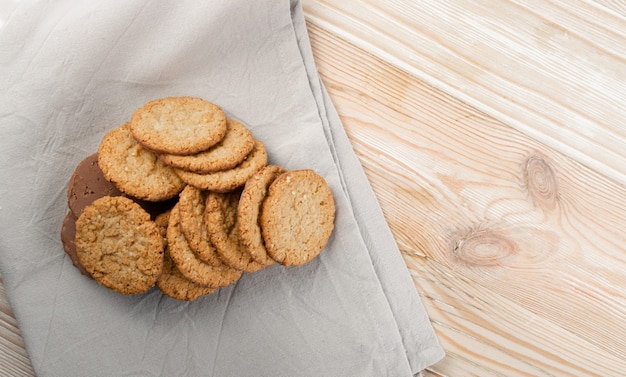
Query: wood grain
[553, 69]
[518, 250]
[13, 356]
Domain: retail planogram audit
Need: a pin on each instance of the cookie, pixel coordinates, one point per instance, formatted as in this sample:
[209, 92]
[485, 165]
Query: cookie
[134, 169]
[189, 265]
[68, 232]
[119, 245]
[228, 180]
[191, 206]
[221, 220]
[228, 153]
[249, 211]
[161, 221]
[88, 184]
[297, 217]
[171, 282]
[178, 125]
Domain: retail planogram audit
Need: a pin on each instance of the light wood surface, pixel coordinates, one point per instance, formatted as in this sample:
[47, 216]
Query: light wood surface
[493, 134]
[553, 69]
[13, 357]
[515, 242]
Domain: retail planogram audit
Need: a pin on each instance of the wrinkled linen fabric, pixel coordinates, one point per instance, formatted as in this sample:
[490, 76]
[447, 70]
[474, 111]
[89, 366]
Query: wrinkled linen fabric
[71, 71]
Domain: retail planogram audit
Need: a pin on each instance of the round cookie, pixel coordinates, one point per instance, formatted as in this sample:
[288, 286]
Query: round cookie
[68, 232]
[191, 206]
[226, 154]
[297, 217]
[249, 210]
[227, 180]
[178, 125]
[119, 245]
[171, 282]
[221, 220]
[88, 184]
[191, 267]
[134, 169]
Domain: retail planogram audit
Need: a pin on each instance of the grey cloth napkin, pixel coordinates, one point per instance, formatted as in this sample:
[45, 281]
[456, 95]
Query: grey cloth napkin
[71, 71]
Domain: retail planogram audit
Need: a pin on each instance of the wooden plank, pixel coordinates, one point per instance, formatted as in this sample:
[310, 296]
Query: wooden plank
[553, 69]
[485, 334]
[617, 6]
[528, 269]
[13, 356]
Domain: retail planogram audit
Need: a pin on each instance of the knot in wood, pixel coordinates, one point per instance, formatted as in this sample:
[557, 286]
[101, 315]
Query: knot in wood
[483, 247]
[541, 182]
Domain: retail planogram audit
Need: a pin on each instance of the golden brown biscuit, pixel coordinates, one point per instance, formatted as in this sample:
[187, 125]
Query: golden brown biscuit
[227, 180]
[178, 125]
[297, 217]
[118, 245]
[228, 153]
[189, 265]
[191, 206]
[134, 169]
[171, 282]
[249, 210]
[221, 220]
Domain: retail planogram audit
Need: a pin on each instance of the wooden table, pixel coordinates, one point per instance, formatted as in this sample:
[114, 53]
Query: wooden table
[494, 136]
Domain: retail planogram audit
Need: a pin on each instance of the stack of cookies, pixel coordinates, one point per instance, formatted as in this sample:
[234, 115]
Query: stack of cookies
[182, 197]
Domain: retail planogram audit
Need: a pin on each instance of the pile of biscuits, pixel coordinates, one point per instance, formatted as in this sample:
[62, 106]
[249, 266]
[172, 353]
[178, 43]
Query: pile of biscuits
[183, 198]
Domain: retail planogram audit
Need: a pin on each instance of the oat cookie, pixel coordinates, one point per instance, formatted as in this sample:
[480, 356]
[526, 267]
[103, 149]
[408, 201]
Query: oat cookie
[249, 210]
[227, 180]
[221, 220]
[191, 206]
[134, 169]
[191, 267]
[68, 232]
[297, 217]
[171, 282]
[178, 125]
[161, 221]
[226, 154]
[119, 245]
[88, 184]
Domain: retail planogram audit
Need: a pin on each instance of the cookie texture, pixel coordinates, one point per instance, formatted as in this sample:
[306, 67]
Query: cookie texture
[171, 282]
[191, 207]
[297, 217]
[228, 180]
[161, 221]
[221, 214]
[249, 211]
[178, 125]
[228, 153]
[189, 265]
[88, 184]
[134, 169]
[119, 245]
